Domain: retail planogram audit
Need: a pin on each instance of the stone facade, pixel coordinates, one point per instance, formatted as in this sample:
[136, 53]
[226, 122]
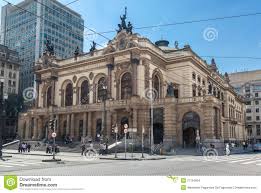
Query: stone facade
[192, 99]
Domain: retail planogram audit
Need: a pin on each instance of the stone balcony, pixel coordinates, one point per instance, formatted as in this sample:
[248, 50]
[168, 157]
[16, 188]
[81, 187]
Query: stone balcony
[120, 104]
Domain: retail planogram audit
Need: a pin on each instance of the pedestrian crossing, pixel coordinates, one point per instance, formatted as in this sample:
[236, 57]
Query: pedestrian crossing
[232, 159]
[21, 163]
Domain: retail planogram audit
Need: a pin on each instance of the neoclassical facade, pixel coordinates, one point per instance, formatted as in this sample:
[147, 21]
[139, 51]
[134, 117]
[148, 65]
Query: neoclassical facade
[91, 93]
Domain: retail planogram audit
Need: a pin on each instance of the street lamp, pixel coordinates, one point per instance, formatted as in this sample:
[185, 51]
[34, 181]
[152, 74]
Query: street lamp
[2, 115]
[104, 98]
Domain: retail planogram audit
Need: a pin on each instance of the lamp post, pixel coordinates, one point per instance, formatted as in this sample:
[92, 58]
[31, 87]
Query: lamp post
[2, 115]
[104, 98]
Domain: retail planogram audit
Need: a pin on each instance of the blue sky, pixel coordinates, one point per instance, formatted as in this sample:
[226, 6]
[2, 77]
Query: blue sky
[234, 37]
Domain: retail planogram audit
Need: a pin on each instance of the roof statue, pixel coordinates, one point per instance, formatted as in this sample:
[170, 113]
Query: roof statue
[93, 46]
[49, 47]
[123, 25]
[76, 52]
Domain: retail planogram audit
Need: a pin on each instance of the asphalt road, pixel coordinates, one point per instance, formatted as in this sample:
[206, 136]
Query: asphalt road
[29, 165]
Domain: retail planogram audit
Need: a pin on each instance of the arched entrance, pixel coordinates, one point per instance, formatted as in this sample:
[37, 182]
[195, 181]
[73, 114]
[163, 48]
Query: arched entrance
[190, 125]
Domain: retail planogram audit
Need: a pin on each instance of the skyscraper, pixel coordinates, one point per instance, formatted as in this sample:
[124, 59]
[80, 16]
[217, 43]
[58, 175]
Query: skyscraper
[25, 27]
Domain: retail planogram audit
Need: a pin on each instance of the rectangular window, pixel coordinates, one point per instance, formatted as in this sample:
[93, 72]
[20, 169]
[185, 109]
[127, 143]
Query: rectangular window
[257, 118]
[256, 94]
[257, 110]
[258, 132]
[257, 102]
[249, 118]
[248, 103]
[248, 110]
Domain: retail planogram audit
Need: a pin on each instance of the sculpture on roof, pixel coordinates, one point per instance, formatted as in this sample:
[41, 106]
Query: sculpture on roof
[76, 52]
[49, 47]
[123, 25]
[213, 65]
[226, 77]
[93, 46]
[176, 44]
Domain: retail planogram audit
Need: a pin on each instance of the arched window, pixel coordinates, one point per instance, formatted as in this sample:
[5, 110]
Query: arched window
[69, 95]
[156, 85]
[209, 89]
[49, 96]
[85, 92]
[100, 92]
[126, 86]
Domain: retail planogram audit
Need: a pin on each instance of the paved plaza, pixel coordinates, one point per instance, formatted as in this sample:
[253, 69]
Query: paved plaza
[74, 164]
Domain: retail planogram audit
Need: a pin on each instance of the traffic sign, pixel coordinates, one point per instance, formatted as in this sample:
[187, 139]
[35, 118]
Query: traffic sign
[132, 130]
[125, 131]
[125, 126]
[53, 134]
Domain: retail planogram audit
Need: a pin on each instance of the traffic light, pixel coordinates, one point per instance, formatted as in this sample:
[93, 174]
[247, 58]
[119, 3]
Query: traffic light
[52, 124]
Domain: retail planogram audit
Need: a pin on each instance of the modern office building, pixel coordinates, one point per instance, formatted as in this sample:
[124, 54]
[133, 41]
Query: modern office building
[129, 82]
[26, 26]
[248, 84]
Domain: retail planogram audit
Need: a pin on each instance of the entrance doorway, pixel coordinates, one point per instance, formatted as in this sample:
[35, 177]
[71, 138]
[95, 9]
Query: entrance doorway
[158, 128]
[190, 125]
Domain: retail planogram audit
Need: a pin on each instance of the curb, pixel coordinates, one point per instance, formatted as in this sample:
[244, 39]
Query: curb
[132, 159]
[52, 160]
[27, 154]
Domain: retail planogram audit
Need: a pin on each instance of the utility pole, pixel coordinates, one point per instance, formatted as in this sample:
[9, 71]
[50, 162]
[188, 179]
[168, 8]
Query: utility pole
[1, 115]
[104, 98]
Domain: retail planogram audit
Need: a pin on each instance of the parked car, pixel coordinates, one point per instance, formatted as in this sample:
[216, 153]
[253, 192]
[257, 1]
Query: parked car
[257, 147]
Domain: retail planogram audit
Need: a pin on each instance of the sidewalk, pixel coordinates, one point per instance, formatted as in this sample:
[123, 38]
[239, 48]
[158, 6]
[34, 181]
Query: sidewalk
[120, 156]
[130, 156]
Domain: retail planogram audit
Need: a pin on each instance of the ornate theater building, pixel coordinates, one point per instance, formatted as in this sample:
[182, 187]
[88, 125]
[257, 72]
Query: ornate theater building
[136, 82]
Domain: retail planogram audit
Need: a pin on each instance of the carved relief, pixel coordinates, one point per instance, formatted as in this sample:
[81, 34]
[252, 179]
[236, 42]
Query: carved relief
[91, 75]
[147, 75]
[74, 79]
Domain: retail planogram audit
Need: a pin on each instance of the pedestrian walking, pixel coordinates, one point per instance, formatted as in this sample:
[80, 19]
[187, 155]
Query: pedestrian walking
[20, 148]
[28, 147]
[83, 148]
[227, 150]
[23, 147]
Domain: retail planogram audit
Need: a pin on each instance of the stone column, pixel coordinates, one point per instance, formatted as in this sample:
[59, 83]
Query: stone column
[37, 95]
[62, 98]
[27, 129]
[35, 129]
[68, 124]
[135, 118]
[72, 133]
[109, 81]
[53, 92]
[84, 132]
[40, 128]
[89, 125]
[135, 63]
